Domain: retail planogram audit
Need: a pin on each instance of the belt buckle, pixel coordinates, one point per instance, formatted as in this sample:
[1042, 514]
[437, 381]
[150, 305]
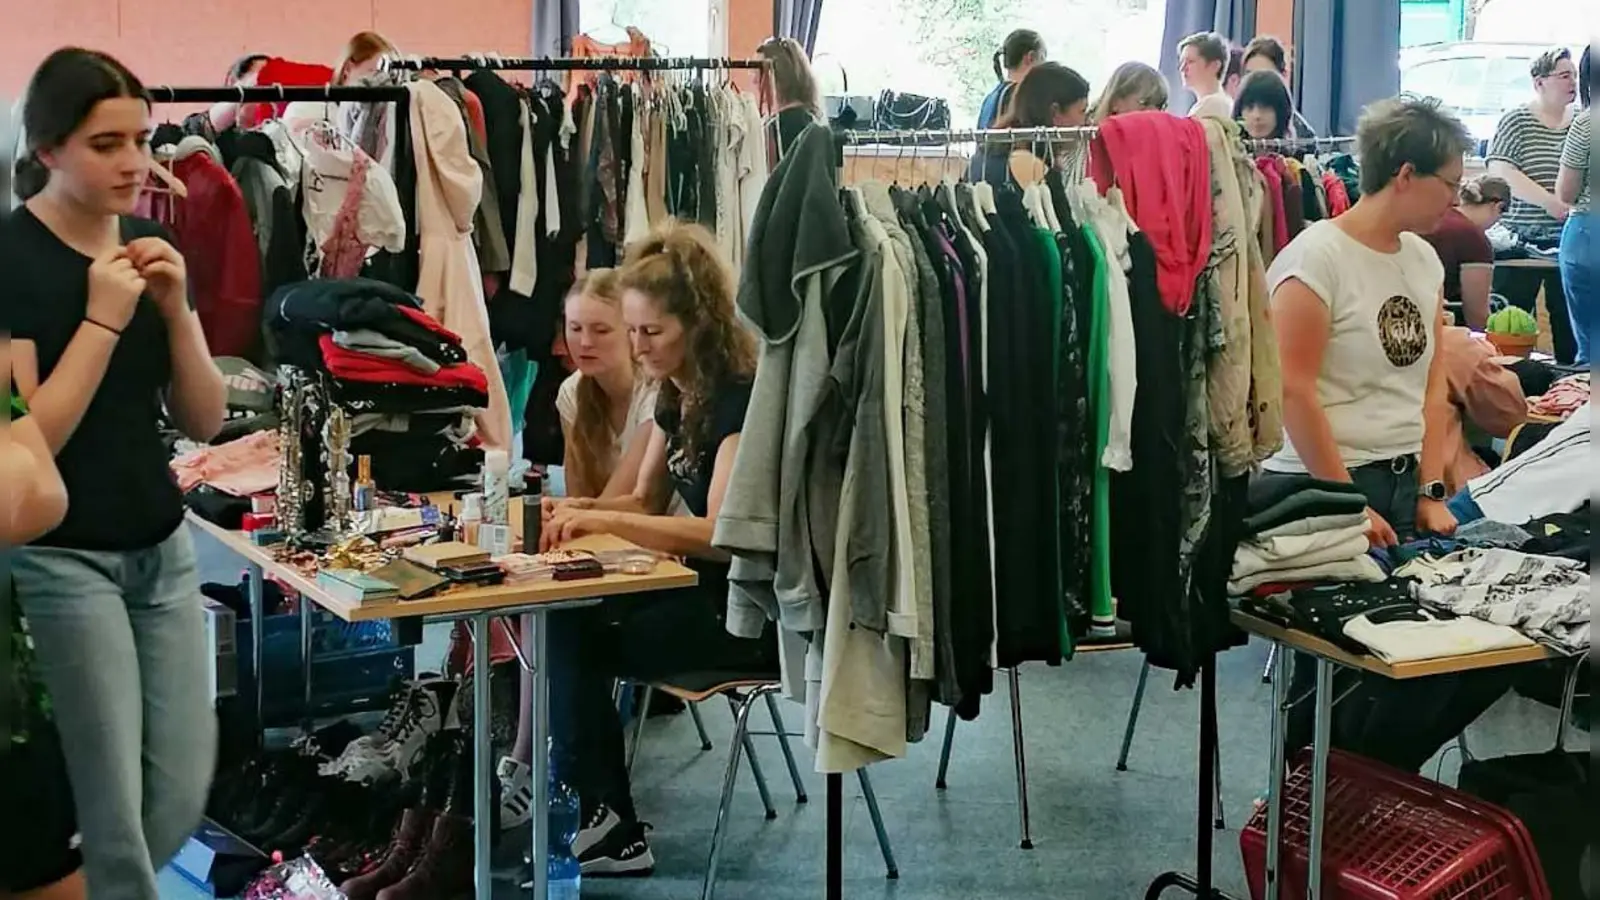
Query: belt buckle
[1400, 465]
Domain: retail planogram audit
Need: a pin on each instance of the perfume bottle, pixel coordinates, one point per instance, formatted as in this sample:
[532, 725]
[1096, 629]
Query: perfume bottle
[365, 495]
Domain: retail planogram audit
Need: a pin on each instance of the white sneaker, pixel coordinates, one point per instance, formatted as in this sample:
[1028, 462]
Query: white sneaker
[596, 827]
[516, 792]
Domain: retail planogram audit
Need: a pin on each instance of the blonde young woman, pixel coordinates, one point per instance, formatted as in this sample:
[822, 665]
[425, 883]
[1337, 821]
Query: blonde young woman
[794, 88]
[1134, 86]
[606, 408]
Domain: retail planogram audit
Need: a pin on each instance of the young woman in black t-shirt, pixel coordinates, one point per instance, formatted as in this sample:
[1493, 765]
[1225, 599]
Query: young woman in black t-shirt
[102, 335]
[678, 304]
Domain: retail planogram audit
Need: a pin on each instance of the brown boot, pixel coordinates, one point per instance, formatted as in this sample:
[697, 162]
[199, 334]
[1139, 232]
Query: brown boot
[416, 825]
[445, 870]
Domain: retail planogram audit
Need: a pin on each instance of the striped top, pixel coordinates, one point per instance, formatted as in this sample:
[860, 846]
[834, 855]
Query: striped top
[1535, 149]
[1580, 155]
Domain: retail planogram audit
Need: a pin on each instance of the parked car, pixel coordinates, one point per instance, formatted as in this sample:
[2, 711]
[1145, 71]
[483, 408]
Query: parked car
[1478, 81]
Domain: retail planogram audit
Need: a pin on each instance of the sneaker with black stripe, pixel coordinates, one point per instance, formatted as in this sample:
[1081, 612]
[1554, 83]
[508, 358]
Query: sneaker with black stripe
[624, 853]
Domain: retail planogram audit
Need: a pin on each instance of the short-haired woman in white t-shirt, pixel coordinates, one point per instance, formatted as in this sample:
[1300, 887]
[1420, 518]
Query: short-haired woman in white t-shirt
[1357, 303]
[606, 407]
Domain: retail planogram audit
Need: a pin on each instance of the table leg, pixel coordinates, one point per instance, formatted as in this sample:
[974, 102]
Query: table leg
[307, 623]
[1279, 675]
[256, 586]
[482, 765]
[1319, 776]
[533, 642]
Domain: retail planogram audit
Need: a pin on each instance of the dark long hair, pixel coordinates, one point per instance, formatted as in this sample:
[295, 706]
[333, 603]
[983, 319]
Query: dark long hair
[62, 93]
[1018, 44]
[1586, 76]
[1047, 87]
[1266, 89]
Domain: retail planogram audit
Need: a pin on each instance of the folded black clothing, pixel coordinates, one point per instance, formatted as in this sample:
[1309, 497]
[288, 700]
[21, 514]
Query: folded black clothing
[1567, 535]
[1305, 504]
[299, 313]
[1324, 609]
[417, 463]
[1271, 488]
[372, 397]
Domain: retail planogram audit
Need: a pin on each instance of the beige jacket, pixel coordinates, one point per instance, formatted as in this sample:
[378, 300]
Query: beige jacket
[1244, 382]
[449, 184]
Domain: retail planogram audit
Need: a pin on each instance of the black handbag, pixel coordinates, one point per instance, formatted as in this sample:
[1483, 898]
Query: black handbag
[910, 112]
[848, 111]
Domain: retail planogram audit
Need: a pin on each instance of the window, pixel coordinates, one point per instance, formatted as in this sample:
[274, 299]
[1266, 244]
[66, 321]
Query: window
[945, 48]
[674, 27]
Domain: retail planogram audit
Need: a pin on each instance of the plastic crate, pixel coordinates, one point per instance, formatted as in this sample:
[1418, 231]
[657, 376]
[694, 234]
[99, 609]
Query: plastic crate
[1389, 835]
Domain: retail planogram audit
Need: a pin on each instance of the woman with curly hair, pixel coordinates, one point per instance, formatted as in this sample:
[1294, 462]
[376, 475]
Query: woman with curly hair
[677, 300]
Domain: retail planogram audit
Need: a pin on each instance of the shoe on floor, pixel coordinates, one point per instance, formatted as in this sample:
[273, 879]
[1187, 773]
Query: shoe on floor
[516, 792]
[598, 824]
[623, 853]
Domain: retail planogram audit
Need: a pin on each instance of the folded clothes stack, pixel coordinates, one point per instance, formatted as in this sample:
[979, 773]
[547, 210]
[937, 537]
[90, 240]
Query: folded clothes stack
[404, 377]
[1303, 530]
[1544, 597]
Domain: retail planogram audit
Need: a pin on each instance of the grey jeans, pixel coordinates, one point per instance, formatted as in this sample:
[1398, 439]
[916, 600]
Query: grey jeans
[120, 641]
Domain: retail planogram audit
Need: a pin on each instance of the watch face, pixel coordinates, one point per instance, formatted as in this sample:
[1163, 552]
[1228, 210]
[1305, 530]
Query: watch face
[1434, 490]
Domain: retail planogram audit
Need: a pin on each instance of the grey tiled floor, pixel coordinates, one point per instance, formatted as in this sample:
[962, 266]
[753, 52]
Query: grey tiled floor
[1098, 834]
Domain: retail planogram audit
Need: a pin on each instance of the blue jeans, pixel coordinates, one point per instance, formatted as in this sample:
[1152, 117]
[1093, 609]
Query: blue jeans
[1580, 276]
[120, 641]
[1464, 508]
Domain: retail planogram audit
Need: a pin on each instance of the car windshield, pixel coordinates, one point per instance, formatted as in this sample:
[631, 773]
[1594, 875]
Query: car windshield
[1471, 85]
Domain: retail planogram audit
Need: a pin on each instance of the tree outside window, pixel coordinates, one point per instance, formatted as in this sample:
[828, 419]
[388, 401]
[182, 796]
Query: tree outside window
[945, 48]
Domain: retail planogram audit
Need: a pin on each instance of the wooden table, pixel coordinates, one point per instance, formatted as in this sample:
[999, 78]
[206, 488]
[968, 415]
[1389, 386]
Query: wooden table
[1328, 656]
[478, 606]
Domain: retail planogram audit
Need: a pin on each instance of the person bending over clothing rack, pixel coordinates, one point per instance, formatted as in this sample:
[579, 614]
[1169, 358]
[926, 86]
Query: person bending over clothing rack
[677, 295]
[1133, 87]
[1464, 249]
[1263, 107]
[1357, 306]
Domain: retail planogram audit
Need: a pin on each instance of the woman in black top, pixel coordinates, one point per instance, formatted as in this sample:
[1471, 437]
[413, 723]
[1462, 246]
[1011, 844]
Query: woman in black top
[678, 303]
[793, 87]
[102, 335]
[1051, 96]
[1262, 106]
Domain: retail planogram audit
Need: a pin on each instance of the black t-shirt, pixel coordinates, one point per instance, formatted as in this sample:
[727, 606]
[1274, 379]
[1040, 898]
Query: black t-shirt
[692, 477]
[121, 493]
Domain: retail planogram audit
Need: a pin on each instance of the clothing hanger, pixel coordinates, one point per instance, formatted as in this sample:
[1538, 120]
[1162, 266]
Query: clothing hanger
[169, 183]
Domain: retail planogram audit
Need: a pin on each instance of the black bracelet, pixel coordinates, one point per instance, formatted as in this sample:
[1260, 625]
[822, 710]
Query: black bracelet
[115, 331]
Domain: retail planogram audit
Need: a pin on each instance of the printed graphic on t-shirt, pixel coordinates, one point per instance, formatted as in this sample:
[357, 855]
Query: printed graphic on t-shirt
[1401, 331]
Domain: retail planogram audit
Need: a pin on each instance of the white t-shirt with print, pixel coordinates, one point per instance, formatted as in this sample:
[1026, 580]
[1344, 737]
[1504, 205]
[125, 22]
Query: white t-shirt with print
[1382, 308]
[641, 409]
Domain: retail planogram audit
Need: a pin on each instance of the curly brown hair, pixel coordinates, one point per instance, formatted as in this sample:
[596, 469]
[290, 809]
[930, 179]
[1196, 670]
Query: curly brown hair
[680, 266]
[593, 434]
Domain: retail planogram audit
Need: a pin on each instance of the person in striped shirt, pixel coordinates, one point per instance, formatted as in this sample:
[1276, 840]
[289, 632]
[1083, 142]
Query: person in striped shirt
[1526, 152]
[1580, 258]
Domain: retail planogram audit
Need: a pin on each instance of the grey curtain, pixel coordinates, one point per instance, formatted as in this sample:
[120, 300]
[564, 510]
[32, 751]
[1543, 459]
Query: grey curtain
[555, 24]
[1347, 55]
[797, 19]
[1233, 19]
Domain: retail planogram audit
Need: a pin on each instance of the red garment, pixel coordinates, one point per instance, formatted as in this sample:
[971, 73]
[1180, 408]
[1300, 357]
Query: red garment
[1163, 166]
[1271, 168]
[211, 228]
[475, 119]
[430, 323]
[353, 365]
[1338, 197]
[287, 73]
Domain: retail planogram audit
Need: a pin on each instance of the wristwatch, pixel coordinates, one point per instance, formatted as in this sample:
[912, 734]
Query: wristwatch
[1434, 490]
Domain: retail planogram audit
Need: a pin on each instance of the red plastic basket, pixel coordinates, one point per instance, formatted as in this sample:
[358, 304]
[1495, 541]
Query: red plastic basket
[1389, 835]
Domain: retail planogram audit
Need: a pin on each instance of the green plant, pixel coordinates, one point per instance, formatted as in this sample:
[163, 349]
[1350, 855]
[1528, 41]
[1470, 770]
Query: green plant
[1513, 320]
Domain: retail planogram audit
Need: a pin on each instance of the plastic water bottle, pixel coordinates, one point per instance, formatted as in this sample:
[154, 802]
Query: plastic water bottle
[565, 815]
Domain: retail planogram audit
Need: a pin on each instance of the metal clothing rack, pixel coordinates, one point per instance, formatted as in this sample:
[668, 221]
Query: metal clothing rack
[938, 136]
[1298, 144]
[277, 93]
[568, 63]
